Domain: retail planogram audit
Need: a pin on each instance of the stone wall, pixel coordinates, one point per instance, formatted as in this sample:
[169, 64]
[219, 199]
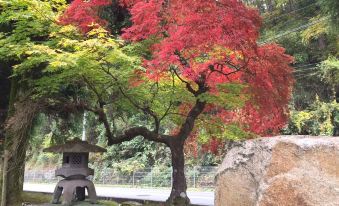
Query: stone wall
[280, 171]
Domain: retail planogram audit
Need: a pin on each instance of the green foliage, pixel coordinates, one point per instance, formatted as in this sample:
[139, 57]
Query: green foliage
[229, 96]
[30, 22]
[117, 16]
[330, 70]
[52, 58]
[220, 130]
[320, 119]
[136, 154]
[305, 29]
[308, 31]
[47, 131]
[315, 31]
[330, 8]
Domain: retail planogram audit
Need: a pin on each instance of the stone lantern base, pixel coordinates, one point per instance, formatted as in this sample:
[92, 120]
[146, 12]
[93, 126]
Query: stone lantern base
[74, 189]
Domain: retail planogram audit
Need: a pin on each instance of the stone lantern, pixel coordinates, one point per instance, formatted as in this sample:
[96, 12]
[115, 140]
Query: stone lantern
[74, 170]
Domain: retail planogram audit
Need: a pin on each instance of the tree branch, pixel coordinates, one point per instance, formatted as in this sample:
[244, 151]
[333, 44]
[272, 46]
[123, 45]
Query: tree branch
[188, 85]
[182, 60]
[171, 101]
[196, 110]
[146, 110]
[188, 125]
[92, 87]
[140, 131]
[229, 64]
[185, 64]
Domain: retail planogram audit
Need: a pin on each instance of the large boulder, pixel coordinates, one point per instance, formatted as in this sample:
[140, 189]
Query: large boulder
[280, 171]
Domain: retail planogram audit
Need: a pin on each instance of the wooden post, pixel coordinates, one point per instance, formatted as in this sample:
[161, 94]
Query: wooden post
[151, 177]
[194, 181]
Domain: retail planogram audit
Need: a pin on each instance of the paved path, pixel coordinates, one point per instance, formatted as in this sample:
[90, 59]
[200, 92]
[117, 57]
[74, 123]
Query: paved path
[160, 195]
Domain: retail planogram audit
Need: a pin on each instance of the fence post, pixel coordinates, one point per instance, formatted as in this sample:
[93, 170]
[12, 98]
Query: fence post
[133, 177]
[171, 177]
[33, 175]
[151, 177]
[194, 183]
[102, 177]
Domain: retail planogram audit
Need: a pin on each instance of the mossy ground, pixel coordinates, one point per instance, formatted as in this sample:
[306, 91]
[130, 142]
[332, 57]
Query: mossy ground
[38, 198]
[43, 200]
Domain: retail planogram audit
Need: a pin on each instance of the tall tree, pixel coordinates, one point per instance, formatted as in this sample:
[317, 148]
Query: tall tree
[22, 25]
[47, 74]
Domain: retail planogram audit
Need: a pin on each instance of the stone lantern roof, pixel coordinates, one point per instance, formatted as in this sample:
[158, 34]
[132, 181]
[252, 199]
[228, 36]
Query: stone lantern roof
[75, 146]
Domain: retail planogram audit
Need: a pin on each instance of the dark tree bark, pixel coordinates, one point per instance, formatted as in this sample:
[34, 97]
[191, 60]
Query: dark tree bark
[5, 72]
[4, 100]
[18, 125]
[7, 145]
[178, 194]
[15, 172]
[322, 42]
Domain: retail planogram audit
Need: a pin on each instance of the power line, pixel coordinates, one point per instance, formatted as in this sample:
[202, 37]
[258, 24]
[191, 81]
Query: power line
[305, 65]
[294, 30]
[302, 75]
[291, 21]
[271, 14]
[279, 17]
[304, 70]
[301, 68]
[305, 76]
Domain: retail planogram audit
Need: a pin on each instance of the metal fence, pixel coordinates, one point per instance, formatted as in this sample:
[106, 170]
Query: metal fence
[196, 177]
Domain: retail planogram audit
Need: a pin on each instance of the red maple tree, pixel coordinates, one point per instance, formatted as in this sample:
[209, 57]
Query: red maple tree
[84, 14]
[205, 44]
[190, 29]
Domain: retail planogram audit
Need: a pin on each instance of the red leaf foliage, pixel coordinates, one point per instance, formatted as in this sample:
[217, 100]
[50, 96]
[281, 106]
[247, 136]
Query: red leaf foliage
[213, 146]
[211, 42]
[195, 149]
[216, 40]
[84, 14]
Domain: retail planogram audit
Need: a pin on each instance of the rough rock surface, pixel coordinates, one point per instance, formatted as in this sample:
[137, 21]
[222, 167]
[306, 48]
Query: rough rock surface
[280, 171]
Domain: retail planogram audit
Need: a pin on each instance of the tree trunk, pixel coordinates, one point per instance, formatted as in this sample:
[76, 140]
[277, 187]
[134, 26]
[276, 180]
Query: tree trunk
[18, 124]
[179, 187]
[15, 172]
[1, 174]
[335, 123]
[4, 101]
[322, 42]
[4, 177]
[12, 97]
